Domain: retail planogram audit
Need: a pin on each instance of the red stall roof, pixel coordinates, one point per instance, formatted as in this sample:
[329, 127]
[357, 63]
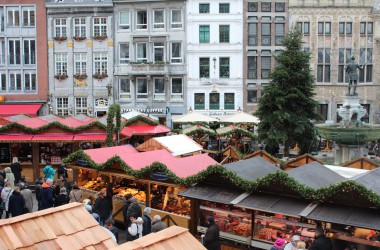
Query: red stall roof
[90, 137]
[191, 165]
[71, 122]
[33, 122]
[15, 137]
[144, 130]
[45, 137]
[101, 155]
[16, 109]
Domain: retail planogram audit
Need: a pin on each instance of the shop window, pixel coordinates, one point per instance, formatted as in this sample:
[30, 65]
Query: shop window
[158, 19]
[124, 88]
[252, 34]
[229, 101]
[204, 34]
[100, 26]
[199, 101]
[124, 20]
[141, 20]
[204, 8]
[214, 101]
[224, 8]
[159, 89]
[60, 27]
[224, 33]
[80, 27]
[176, 19]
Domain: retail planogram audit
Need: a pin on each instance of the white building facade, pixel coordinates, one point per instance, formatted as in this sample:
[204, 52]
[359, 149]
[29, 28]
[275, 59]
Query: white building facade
[214, 56]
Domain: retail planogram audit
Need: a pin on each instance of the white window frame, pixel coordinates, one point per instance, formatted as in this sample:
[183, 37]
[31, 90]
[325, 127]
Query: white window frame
[60, 27]
[30, 55]
[81, 104]
[160, 47]
[2, 21]
[124, 59]
[173, 24]
[61, 64]
[124, 95]
[62, 106]
[141, 26]
[141, 59]
[80, 63]
[15, 81]
[157, 96]
[176, 96]
[14, 22]
[2, 53]
[141, 95]
[79, 24]
[32, 86]
[30, 15]
[101, 63]
[3, 81]
[99, 26]
[160, 25]
[174, 59]
[127, 25]
[15, 57]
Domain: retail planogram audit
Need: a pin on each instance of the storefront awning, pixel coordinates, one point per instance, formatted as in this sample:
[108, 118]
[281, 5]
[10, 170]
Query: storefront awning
[15, 138]
[90, 137]
[274, 204]
[212, 193]
[346, 215]
[16, 109]
[51, 137]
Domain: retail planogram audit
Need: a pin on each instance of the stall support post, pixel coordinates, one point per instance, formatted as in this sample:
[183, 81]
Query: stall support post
[193, 222]
[36, 160]
[75, 147]
[148, 195]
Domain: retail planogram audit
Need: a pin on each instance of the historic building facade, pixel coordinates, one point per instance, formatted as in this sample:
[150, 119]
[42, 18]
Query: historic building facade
[80, 56]
[23, 52]
[214, 56]
[150, 62]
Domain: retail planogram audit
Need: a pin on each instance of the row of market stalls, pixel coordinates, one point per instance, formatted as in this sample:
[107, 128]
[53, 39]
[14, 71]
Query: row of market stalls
[254, 201]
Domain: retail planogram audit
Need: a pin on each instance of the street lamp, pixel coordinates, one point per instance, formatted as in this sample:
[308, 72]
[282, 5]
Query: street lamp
[109, 88]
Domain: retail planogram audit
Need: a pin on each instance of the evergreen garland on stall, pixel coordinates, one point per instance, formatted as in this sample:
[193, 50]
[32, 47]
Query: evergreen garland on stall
[113, 110]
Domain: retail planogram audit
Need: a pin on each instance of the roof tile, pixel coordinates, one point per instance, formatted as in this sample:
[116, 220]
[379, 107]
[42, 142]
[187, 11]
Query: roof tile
[10, 237]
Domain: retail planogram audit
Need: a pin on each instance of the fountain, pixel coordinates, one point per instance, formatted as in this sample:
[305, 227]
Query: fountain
[351, 134]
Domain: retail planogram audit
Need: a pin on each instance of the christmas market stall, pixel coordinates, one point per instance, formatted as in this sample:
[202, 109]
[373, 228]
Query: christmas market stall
[155, 178]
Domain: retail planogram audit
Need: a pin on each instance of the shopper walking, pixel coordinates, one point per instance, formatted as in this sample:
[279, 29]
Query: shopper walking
[62, 198]
[147, 221]
[46, 194]
[5, 194]
[28, 196]
[136, 227]
[16, 203]
[101, 207]
[16, 169]
[278, 244]
[9, 176]
[211, 238]
[75, 194]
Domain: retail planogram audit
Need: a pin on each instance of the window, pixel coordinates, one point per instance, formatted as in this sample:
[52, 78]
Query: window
[158, 19]
[324, 28]
[252, 67]
[158, 50]
[60, 27]
[224, 8]
[345, 28]
[14, 81]
[252, 34]
[14, 48]
[29, 81]
[199, 101]
[80, 61]
[2, 22]
[229, 101]
[303, 27]
[80, 105]
[124, 21]
[204, 8]
[224, 67]
[279, 7]
[224, 33]
[159, 89]
[177, 89]
[61, 64]
[322, 109]
[344, 58]
[2, 52]
[13, 17]
[3, 81]
[176, 19]
[323, 68]
[366, 28]
[124, 88]
[100, 63]
[28, 17]
[204, 67]
[176, 52]
[142, 88]
[265, 6]
[365, 75]
[265, 34]
[214, 101]
[100, 26]
[80, 27]
[141, 52]
[63, 106]
[252, 7]
[204, 34]
[124, 53]
[265, 66]
[251, 96]
[280, 32]
[141, 20]
[29, 52]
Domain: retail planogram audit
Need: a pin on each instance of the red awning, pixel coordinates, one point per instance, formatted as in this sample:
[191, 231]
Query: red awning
[51, 137]
[144, 130]
[15, 137]
[90, 137]
[16, 109]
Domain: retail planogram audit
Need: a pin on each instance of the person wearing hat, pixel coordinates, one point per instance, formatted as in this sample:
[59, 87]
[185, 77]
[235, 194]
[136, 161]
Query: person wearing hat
[292, 245]
[134, 208]
[46, 194]
[279, 244]
[102, 207]
[147, 222]
[211, 238]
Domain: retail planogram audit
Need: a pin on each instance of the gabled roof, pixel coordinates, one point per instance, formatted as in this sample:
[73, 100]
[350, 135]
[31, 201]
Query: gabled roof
[173, 237]
[301, 160]
[370, 180]
[362, 163]
[32, 122]
[315, 175]
[50, 118]
[131, 130]
[15, 118]
[101, 155]
[264, 154]
[68, 227]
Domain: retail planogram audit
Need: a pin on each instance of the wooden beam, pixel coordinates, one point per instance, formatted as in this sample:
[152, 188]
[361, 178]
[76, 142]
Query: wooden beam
[36, 160]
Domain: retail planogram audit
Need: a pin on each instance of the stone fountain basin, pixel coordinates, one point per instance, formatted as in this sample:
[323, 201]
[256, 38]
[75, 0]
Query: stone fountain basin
[349, 136]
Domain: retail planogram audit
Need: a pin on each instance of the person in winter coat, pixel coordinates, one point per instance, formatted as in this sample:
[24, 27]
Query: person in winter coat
[62, 170]
[147, 221]
[292, 245]
[75, 194]
[134, 208]
[321, 242]
[16, 203]
[110, 226]
[9, 176]
[28, 196]
[16, 169]
[125, 209]
[5, 195]
[102, 207]
[48, 171]
[157, 224]
[62, 198]
[37, 189]
[136, 227]
[278, 244]
[211, 238]
[46, 194]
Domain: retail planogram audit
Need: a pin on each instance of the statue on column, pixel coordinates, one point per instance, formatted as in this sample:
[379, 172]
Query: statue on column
[351, 69]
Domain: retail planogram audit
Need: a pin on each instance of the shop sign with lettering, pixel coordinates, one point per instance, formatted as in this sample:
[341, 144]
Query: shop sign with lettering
[144, 110]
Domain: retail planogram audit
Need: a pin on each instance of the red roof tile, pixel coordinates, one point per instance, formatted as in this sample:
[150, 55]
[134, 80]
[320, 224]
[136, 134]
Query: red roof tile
[144, 130]
[101, 155]
[32, 122]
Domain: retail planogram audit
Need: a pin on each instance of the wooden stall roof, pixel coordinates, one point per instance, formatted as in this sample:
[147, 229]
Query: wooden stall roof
[315, 175]
[230, 154]
[362, 163]
[173, 237]
[300, 161]
[370, 180]
[264, 154]
[66, 227]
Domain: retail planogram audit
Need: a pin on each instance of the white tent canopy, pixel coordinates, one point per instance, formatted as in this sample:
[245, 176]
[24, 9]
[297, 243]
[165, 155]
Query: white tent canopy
[132, 114]
[194, 117]
[179, 144]
[240, 117]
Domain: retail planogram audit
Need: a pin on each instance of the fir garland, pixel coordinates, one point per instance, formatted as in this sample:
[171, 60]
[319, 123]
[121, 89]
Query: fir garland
[110, 125]
[139, 118]
[199, 131]
[244, 132]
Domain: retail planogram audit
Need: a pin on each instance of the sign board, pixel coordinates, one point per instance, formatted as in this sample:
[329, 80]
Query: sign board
[157, 111]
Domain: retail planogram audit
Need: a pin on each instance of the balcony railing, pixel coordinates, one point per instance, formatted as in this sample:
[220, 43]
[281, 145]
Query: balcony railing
[146, 68]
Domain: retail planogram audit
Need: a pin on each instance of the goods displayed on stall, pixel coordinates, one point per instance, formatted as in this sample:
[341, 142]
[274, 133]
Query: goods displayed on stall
[167, 199]
[54, 152]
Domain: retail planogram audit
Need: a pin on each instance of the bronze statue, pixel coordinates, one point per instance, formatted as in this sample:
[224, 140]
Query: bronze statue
[351, 69]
